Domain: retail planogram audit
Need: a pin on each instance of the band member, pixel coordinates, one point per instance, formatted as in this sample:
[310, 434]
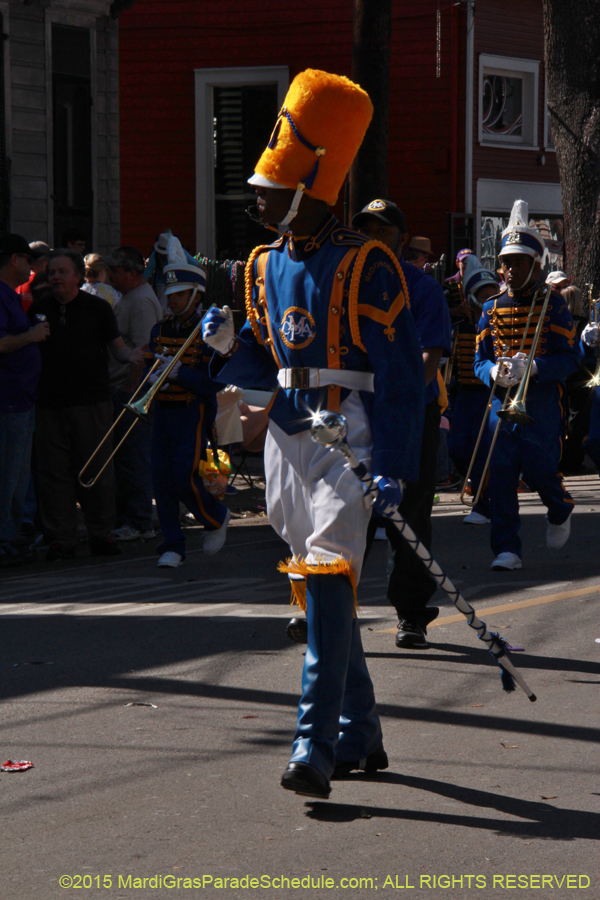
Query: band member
[329, 322]
[183, 416]
[470, 394]
[410, 585]
[534, 448]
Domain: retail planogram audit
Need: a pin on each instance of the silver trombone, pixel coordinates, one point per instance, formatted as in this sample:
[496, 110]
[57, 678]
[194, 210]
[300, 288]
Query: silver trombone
[92, 482]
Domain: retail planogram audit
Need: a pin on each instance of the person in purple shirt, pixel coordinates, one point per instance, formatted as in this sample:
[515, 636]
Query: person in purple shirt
[19, 374]
[410, 586]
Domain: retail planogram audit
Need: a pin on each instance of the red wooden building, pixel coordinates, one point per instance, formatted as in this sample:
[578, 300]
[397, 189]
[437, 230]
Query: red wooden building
[201, 82]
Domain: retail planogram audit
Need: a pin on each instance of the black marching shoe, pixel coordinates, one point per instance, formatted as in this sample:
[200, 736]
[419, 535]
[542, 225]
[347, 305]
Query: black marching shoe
[297, 631]
[376, 760]
[410, 634]
[305, 779]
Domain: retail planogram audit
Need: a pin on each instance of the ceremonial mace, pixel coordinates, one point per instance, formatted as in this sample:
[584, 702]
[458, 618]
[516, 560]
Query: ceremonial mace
[331, 429]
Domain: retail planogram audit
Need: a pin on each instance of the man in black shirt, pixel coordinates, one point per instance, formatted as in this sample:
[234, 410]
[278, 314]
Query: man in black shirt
[74, 408]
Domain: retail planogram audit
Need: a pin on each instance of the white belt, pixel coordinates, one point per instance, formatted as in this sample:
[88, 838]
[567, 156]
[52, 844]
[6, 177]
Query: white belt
[302, 378]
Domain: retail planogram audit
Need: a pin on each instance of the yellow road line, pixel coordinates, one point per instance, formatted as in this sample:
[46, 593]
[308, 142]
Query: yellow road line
[508, 607]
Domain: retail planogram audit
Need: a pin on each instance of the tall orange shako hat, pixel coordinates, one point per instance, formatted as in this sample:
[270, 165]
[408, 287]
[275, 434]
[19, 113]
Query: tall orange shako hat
[318, 132]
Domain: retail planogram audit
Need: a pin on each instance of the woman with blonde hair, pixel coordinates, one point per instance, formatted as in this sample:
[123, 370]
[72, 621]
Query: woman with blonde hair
[96, 277]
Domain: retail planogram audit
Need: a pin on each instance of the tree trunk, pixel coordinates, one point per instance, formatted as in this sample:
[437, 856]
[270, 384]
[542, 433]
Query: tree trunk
[371, 70]
[572, 49]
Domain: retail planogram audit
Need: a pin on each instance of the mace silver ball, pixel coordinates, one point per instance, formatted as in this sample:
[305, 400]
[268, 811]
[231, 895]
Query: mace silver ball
[329, 428]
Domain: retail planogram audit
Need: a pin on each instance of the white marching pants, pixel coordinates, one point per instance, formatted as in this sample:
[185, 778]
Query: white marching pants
[314, 500]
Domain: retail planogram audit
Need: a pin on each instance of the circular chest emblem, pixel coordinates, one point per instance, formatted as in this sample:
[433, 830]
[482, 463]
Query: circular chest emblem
[297, 328]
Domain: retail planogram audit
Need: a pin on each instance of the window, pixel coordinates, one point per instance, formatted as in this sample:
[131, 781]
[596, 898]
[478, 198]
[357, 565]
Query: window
[243, 122]
[72, 130]
[508, 92]
[236, 110]
[551, 229]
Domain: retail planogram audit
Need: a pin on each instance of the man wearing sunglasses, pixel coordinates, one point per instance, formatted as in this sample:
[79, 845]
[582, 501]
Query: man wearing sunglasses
[19, 374]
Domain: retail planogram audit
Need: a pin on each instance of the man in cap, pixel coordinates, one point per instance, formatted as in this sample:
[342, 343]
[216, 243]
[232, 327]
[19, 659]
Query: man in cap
[40, 253]
[471, 395]
[418, 252]
[183, 415]
[329, 323]
[532, 448]
[137, 312]
[558, 280]
[410, 586]
[20, 368]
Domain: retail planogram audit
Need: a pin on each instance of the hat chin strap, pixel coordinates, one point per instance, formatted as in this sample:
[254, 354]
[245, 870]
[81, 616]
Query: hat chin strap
[190, 301]
[293, 210]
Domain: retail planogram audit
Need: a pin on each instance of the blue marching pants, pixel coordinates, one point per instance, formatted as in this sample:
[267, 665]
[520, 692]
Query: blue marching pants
[535, 451]
[592, 443]
[468, 410]
[179, 439]
[337, 718]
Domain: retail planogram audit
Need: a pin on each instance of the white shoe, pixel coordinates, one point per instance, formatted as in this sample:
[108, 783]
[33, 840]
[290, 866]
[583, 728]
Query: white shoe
[214, 540]
[558, 535]
[506, 562]
[170, 560]
[126, 533]
[380, 535]
[475, 518]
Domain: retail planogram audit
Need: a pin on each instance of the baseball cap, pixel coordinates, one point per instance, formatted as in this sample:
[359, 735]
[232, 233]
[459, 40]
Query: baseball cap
[385, 211]
[462, 254]
[14, 243]
[556, 277]
[39, 249]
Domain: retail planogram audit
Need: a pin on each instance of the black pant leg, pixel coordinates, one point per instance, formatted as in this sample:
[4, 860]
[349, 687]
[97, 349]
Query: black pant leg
[410, 586]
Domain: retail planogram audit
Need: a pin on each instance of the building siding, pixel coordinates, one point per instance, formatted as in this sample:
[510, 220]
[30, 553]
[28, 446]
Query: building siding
[161, 45]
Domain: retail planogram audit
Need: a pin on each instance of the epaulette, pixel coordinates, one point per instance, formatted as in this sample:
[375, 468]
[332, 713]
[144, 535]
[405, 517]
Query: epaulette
[347, 237]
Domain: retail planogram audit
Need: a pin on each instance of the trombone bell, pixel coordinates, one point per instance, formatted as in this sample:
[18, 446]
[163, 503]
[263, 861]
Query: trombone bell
[141, 407]
[515, 412]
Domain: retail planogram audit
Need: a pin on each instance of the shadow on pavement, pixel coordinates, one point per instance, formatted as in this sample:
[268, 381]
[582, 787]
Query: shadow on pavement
[545, 822]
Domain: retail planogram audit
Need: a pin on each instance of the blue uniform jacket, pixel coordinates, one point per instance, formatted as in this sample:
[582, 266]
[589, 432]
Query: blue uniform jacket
[334, 306]
[500, 331]
[192, 376]
[430, 311]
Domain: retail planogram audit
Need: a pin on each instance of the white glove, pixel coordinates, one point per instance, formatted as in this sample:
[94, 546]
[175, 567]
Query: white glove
[165, 360]
[509, 370]
[589, 335]
[523, 356]
[217, 330]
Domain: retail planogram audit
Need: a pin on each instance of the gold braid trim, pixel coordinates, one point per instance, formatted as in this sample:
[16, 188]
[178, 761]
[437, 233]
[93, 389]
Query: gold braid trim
[355, 286]
[297, 565]
[249, 285]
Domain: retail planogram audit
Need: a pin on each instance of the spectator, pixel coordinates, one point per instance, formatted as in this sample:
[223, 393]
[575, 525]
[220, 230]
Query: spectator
[558, 280]
[40, 253]
[418, 252]
[19, 374]
[156, 263]
[96, 277]
[74, 239]
[137, 312]
[74, 408]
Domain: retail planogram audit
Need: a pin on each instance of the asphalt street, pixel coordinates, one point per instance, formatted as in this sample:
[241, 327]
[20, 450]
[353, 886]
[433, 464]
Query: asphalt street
[158, 707]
